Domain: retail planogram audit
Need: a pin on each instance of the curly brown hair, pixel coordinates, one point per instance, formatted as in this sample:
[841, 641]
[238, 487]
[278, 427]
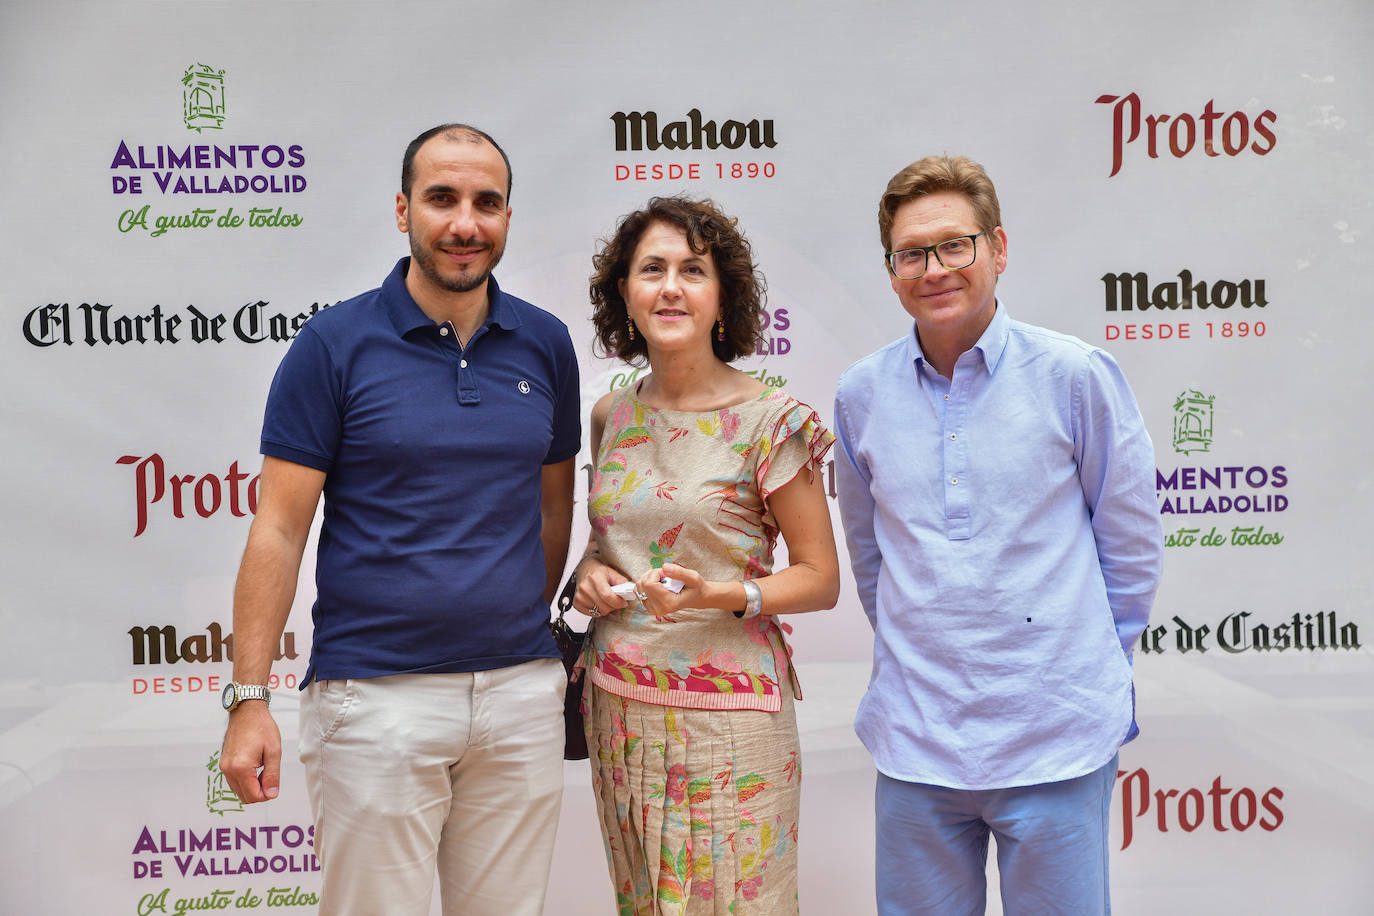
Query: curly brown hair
[708, 231]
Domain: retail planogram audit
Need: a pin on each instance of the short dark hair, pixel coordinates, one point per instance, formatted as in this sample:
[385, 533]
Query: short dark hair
[451, 132]
[932, 175]
[708, 230]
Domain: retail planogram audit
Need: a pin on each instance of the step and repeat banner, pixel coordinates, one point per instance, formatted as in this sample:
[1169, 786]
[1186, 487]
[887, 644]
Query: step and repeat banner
[186, 183]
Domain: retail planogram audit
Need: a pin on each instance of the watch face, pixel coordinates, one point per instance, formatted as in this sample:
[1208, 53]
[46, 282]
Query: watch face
[226, 697]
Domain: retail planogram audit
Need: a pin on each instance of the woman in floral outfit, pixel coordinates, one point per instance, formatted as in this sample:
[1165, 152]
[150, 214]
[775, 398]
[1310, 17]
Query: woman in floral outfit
[698, 469]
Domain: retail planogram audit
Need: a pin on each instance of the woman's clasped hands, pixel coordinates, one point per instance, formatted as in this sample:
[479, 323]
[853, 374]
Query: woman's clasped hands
[602, 589]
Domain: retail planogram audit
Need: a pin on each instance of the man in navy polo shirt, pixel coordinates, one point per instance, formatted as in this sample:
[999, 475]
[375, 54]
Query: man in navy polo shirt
[439, 417]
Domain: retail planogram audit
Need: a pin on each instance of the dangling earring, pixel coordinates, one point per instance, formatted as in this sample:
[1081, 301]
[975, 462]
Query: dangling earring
[632, 327]
[720, 329]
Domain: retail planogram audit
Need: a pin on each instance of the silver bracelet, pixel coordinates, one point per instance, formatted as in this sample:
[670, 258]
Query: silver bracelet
[753, 600]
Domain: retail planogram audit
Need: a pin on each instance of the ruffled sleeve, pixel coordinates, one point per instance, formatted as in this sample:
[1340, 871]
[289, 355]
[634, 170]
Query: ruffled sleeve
[797, 439]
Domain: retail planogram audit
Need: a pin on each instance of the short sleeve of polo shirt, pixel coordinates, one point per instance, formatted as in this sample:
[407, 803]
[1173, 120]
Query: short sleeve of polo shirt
[567, 416]
[303, 420]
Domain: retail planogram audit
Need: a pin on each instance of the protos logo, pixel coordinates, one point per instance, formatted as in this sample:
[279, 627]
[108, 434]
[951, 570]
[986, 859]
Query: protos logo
[207, 494]
[1190, 809]
[1231, 136]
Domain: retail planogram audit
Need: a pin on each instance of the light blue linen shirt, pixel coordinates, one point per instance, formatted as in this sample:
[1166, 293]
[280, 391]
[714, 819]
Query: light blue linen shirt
[1004, 534]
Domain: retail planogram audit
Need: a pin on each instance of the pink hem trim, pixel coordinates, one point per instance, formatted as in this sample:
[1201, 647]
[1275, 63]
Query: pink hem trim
[686, 699]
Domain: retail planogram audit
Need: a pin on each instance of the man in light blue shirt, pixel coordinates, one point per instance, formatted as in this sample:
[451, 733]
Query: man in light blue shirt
[997, 489]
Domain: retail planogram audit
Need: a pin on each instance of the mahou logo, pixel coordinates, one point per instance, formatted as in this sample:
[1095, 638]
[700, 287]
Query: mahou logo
[1126, 291]
[205, 494]
[638, 130]
[161, 645]
[1221, 133]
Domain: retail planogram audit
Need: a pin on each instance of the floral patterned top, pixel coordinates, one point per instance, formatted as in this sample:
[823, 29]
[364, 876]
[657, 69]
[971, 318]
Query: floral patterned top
[692, 488]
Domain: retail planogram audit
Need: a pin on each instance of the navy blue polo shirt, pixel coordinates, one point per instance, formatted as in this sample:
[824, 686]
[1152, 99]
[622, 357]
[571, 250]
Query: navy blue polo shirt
[429, 556]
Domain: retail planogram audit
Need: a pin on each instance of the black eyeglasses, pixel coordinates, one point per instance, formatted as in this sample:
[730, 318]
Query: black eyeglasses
[953, 254]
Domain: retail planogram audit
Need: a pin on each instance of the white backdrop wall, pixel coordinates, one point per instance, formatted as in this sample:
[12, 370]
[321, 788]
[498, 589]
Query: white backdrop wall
[128, 464]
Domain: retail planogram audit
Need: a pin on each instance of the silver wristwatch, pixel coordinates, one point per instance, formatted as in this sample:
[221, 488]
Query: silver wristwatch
[235, 693]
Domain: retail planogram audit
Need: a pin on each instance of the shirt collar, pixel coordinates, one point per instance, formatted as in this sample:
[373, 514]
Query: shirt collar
[406, 315]
[991, 344]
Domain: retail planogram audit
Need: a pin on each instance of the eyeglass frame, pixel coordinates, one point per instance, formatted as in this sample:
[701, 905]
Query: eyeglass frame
[888, 256]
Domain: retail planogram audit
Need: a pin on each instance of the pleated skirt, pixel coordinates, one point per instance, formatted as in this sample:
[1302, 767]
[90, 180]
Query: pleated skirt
[698, 807]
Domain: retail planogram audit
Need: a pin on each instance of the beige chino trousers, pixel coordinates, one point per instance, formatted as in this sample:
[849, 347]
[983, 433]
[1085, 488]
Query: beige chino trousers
[417, 774]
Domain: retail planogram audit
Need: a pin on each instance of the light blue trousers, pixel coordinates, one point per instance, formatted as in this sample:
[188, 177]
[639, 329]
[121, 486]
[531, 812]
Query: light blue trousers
[932, 847]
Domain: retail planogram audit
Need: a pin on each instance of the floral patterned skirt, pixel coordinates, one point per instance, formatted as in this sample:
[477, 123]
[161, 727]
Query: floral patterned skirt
[698, 807]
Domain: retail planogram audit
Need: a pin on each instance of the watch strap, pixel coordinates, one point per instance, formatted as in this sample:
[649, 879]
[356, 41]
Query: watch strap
[250, 692]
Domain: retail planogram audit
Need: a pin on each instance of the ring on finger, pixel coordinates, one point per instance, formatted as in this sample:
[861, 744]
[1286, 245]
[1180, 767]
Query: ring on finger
[641, 595]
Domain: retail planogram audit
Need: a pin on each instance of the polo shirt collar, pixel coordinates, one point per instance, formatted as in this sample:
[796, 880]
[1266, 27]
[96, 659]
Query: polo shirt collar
[991, 344]
[407, 316]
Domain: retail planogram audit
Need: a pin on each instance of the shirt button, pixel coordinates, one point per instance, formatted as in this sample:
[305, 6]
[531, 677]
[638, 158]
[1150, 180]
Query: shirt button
[443, 332]
[946, 397]
[463, 363]
[954, 480]
[953, 436]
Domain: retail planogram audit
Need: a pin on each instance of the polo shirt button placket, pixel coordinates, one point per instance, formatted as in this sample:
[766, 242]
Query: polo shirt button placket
[468, 394]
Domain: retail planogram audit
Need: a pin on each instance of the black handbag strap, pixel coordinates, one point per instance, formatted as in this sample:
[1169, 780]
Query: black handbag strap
[565, 597]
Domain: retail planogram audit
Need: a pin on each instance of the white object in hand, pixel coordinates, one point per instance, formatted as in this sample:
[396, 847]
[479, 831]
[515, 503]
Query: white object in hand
[627, 591]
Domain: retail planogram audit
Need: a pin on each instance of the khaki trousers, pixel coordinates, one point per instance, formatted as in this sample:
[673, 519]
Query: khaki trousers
[417, 774]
